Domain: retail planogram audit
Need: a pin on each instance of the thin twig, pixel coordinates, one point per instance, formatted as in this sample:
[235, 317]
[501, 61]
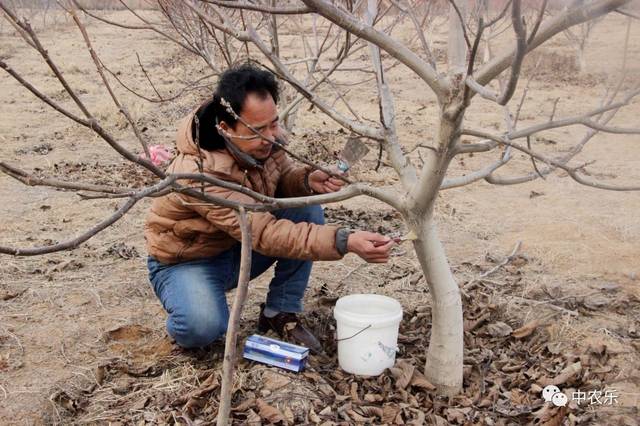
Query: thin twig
[228, 364]
[472, 59]
[90, 123]
[538, 22]
[627, 13]
[547, 303]
[485, 274]
[553, 110]
[45, 55]
[148, 26]
[32, 180]
[493, 21]
[75, 242]
[98, 63]
[571, 171]
[244, 5]
[521, 50]
[462, 23]
[187, 88]
[340, 96]
[146, 74]
[412, 15]
[533, 160]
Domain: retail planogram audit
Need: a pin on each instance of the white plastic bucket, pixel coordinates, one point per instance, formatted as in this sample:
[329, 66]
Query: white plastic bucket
[367, 333]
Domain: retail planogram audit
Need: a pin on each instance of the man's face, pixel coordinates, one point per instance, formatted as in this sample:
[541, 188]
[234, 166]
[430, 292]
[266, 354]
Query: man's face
[260, 113]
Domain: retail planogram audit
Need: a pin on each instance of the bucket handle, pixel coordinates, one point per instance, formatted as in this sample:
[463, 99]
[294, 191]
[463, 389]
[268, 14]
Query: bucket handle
[351, 337]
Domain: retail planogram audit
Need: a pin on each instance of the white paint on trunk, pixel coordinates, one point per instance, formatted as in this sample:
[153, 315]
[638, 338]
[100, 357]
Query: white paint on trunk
[581, 59]
[444, 357]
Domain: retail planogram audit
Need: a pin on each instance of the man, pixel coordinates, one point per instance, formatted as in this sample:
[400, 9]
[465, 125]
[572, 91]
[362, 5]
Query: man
[194, 250]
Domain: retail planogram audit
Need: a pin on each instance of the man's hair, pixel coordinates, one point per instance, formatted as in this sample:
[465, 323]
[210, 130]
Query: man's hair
[233, 86]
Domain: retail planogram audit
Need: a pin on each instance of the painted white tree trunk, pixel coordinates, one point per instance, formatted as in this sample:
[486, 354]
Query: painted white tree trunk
[444, 357]
[581, 58]
[444, 366]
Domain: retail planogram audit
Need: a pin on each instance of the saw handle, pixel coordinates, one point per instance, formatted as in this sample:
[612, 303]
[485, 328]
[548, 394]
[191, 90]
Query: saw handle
[343, 166]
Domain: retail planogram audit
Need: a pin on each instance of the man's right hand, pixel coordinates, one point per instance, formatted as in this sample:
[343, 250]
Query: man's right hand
[362, 244]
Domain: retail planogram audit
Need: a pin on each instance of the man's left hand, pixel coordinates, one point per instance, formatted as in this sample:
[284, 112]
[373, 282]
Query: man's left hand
[322, 183]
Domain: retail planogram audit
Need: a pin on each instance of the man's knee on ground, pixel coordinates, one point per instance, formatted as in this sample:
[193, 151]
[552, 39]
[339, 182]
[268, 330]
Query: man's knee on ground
[197, 331]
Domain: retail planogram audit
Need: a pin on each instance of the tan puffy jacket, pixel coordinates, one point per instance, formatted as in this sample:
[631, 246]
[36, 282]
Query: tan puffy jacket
[176, 232]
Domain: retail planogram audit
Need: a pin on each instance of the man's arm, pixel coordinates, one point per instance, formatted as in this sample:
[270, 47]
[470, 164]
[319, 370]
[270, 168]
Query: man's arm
[293, 177]
[271, 236]
[299, 181]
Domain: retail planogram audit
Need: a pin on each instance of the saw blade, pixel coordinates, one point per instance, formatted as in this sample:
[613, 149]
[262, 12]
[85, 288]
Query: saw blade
[352, 152]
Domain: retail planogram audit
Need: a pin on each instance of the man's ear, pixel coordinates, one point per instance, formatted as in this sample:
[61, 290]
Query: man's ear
[225, 127]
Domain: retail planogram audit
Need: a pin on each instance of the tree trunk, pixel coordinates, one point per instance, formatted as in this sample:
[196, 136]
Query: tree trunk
[457, 48]
[444, 356]
[581, 59]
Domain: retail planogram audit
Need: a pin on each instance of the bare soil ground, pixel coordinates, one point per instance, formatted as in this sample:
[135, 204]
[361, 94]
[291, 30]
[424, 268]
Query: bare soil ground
[82, 336]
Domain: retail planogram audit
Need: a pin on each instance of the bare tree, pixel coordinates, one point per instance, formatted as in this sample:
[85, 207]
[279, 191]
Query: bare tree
[579, 37]
[225, 32]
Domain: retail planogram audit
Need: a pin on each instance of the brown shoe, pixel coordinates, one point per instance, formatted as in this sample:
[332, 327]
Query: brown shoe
[287, 325]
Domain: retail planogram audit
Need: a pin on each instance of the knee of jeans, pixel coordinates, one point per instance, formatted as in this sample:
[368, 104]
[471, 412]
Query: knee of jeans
[197, 331]
[313, 214]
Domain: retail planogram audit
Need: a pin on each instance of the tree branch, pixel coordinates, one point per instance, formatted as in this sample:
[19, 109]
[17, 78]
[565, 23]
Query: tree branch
[96, 60]
[521, 50]
[584, 120]
[477, 175]
[243, 5]
[35, 42]
[495, 20]
[75, 242]
[382, 40]
[231, 341]
[538, 21]
[416, 24]
[391, 145]
[31, 180]
[90, 122]
[554, 26]
[627, 13]
[571, 171]
[483, 91]
[472, 59]
[463, 24]
[484, 146]
[252, 36]
[136, 27]
[189, 87]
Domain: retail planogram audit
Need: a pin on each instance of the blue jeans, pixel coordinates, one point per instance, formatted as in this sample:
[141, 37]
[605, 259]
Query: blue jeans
[193, 292]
